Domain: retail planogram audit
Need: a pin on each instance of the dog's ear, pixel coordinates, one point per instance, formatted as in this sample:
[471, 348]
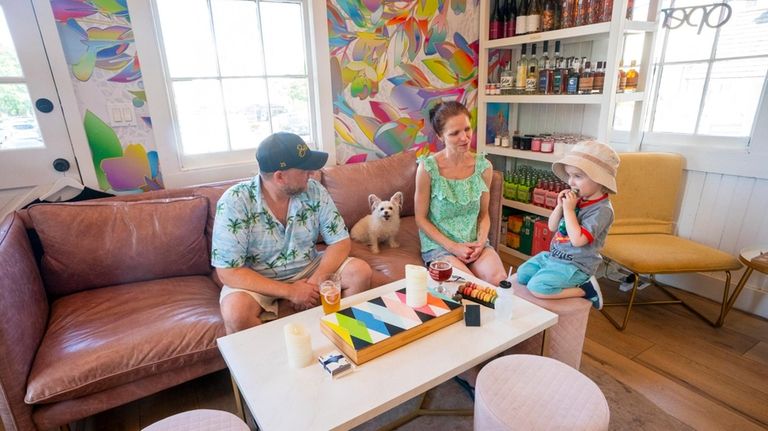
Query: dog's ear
[373, 201]
[397, 199]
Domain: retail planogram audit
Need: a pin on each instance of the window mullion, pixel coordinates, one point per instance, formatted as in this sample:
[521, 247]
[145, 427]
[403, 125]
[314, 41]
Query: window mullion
[264, 63]
[657, 83]
[218, 73]
[710, 64]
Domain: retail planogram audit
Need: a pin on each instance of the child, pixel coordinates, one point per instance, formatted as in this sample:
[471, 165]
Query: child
[580, 221]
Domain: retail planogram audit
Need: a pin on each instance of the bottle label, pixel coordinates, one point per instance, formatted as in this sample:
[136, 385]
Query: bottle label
[585, 84]
[533, 23]
[530, 85]
[597, 84]
[520, 25]
[495, 30]
[573, 84]
[558, 79]
[507, 82]
[510, 28]
[543, 82]
[520, 78]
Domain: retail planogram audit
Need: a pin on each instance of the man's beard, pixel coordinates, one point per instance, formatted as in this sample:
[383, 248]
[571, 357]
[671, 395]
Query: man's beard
[293, 191]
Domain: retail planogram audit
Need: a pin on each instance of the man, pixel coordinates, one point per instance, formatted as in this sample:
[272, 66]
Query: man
[264, 238]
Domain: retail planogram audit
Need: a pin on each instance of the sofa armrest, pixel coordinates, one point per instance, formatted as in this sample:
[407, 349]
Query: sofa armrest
[494, 209]
[24, 311]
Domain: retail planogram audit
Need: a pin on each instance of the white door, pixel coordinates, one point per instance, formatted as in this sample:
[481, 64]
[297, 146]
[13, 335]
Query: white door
[35, 147]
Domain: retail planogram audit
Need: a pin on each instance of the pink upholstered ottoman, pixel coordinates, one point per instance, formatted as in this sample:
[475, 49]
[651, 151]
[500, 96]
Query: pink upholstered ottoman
[565, 340]
[200, 420]
[527, 392]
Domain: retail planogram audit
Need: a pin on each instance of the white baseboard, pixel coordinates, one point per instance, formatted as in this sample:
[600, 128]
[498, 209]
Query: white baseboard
[708, 285]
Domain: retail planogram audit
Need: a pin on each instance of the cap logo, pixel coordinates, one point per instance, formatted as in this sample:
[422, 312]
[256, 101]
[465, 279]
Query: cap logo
[282, 164]
[302, 149]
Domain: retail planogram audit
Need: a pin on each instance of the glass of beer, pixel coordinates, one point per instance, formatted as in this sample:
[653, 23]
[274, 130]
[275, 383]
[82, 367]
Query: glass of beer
[330, 293]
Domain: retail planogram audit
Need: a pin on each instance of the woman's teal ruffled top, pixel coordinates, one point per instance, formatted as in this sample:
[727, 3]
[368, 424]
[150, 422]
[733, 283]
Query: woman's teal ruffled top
[454, 204]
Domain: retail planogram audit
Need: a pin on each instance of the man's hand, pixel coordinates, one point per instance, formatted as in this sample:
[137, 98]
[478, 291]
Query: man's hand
[304, 294]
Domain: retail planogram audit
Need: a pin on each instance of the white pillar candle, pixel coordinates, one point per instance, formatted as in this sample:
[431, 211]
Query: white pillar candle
[298, 345]
[415, 286]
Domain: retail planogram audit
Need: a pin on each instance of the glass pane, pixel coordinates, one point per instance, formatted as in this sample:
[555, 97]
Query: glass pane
[283, 38]
[685, 42]
[187, 38]
[633, 48]
[9, 61]
[290, 106]
[724, 114]
[18, 127]
[677, 105]
[200, 112]
[238, 38]
[746, 33]
[247, 111]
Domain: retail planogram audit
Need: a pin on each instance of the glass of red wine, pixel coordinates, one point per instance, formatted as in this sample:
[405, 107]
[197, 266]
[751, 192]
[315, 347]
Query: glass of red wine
[440, 271]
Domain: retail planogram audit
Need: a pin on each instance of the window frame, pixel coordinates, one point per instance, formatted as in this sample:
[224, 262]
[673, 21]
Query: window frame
[740, 156]
[179, 169]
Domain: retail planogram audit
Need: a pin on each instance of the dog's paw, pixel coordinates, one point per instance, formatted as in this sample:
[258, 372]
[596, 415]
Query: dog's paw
[375, 248]
[393, 244]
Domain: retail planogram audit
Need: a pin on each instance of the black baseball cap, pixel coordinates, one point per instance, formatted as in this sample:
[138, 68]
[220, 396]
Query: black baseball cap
[282, 150]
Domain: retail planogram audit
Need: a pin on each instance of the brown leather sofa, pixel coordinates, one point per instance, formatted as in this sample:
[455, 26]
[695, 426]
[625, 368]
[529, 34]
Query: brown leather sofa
[122, 301]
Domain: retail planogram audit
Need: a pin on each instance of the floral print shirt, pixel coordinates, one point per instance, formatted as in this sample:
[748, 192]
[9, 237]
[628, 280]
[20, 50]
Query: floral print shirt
[246, 233]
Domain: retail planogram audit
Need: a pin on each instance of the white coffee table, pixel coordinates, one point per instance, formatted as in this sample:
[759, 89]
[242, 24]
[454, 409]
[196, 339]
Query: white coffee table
[283, 398]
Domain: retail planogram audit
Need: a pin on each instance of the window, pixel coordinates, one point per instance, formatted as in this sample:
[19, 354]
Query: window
[236, 71]
[709, 82]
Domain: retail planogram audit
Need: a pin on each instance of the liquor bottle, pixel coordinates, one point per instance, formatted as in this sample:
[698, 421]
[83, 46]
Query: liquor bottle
[582, 13]
[586, 79]
[522, 73]
[630, 8]
[622, 81]
[532, 79]
[545, 71]
[522, 18]
[632, 77]
[495, 27]
[548, 16]
[503, 18]
[598, 78]
[566, 13]
[557, 78]
[508, 79]
[573, 77]
[595, 11]
[533, 19]
[511, 18]
[607, 10]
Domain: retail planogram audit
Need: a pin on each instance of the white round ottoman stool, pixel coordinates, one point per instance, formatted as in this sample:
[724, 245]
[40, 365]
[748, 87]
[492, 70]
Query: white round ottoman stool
[200, 420]
[526, 392]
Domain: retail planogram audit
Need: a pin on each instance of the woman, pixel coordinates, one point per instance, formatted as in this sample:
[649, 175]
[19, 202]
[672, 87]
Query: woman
[452, 197]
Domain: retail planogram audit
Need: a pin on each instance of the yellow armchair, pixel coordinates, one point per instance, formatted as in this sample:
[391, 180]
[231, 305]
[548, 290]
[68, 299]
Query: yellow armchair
[642, 237]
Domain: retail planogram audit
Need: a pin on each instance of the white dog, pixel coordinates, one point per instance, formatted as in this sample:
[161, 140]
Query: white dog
[382, 224]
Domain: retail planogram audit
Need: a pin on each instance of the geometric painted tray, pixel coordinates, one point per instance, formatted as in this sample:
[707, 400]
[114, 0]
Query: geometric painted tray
[367, 330]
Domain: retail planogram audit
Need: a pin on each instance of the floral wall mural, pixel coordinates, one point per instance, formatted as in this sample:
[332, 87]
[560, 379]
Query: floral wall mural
[390, 63]
[98, 43]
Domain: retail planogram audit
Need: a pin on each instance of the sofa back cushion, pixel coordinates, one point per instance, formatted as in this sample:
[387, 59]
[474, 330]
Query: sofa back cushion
[95, 244]
[350, 185]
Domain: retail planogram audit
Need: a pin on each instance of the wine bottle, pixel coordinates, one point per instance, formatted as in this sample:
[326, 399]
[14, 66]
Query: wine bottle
[533, 19]
[495, 23]
[522, 19]
[511, 20]
[522, 72]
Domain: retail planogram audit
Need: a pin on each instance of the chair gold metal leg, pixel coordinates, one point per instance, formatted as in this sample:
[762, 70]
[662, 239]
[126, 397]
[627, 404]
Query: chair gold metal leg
[629, 304]
[240, 411]
[736, 292]
[544, 341]
[723, 306]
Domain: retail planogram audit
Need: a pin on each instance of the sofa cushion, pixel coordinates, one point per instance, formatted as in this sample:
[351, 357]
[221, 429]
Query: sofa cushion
[389, 264]
[102, 338]
[95, 244]
[350, 185]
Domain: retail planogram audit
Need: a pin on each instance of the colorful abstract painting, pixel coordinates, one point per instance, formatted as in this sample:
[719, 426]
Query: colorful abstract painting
[99, 47]
[390, 63]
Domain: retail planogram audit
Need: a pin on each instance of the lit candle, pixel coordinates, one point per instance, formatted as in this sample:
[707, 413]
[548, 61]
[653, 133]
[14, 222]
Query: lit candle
[298, 344]
[415, 286]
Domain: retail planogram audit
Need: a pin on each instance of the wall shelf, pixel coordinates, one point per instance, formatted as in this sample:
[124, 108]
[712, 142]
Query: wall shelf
[633, 96]
[533, 209]
[574, 34]
[575, 99]
[639, 26]
[520, 154]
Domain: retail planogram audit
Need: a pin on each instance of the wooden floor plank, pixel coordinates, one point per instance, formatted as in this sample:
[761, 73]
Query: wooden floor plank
[601, 331]
[708, 377]
[681, 402]
[759, 353]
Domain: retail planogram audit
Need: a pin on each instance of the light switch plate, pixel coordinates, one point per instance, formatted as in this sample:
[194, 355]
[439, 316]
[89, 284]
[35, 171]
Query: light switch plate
[121, 114]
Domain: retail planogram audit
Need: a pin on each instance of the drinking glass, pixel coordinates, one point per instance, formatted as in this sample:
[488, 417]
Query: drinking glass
[330, 293]
[440, 271]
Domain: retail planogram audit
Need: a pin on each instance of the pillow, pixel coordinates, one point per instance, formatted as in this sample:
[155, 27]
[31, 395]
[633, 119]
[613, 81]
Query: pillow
[96, 244]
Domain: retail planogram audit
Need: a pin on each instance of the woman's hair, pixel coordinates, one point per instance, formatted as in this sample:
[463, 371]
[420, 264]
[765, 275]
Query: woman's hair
[442, 111]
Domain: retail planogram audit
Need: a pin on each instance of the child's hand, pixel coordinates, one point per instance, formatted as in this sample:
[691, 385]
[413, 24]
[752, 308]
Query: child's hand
[569, 199]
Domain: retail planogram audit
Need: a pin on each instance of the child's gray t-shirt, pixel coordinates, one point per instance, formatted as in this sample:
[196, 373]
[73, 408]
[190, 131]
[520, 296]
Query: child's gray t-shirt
[595, 217]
